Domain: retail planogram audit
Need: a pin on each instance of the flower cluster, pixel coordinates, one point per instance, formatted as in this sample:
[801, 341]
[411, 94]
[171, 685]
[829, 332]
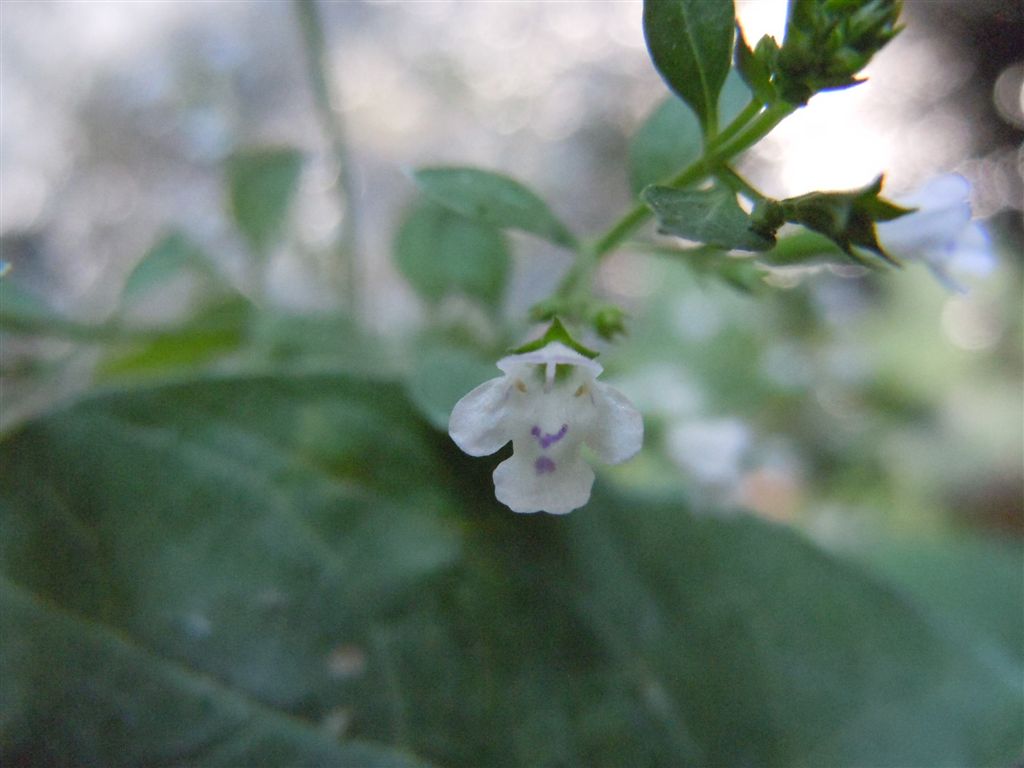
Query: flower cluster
[549, 404]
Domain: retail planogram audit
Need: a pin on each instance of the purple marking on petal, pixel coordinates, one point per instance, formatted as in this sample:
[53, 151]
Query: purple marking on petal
[546, 440]
[544, 465]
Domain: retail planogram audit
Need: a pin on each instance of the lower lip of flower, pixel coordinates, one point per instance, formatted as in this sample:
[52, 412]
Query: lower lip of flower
[544, 465]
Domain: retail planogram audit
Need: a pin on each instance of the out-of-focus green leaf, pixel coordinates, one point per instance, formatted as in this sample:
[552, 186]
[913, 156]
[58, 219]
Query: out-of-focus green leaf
[261, 184]
[690, 43]
[233, 562]
[173, 254]
[114, 702]
[20, 307]
[321, 341]
[493, 199]
[216, 330]
[709, 216]
[763, 650]
[669, 140]
[441, 253]
[441, 375]
[192, 574]
[973, 586]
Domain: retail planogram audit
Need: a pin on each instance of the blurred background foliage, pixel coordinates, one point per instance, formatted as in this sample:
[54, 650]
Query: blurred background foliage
[254, 542]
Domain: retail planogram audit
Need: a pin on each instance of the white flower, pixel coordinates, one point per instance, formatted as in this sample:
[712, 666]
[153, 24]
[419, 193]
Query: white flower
[940, 233]
[549, 403]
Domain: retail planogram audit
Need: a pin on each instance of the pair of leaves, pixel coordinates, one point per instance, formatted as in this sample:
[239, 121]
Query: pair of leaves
[216, 572]
[452, 240]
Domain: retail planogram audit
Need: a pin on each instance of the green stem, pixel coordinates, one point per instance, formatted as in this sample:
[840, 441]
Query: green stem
[718, 152]
[318, 71]
[745, 115]
[739, 184]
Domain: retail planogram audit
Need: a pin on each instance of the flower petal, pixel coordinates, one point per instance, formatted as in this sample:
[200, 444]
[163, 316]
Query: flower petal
[555, 353]
[477, 424]
[524, 485]
[943, 210]
[617, 432]
[973, 253]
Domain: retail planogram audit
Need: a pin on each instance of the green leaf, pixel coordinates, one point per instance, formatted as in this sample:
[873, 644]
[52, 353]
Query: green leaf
[217, 572]
[670, 139]
[261, 184]
[115, 702]
[710, 216]
[19, 306]
[970, 584]
[493, 199]
[441, 253]
[194, 574]
[690, 42]
[211, 333]
[170, 256]
[442, 374]
[322, 341]
[752, 647]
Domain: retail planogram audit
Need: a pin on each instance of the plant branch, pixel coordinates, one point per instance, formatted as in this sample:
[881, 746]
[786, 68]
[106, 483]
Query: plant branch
[318, 71]
[718, 152]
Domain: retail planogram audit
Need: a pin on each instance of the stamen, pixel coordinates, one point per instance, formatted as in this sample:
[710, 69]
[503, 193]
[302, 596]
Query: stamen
[520, 385]
[549, 375]
[582, 390]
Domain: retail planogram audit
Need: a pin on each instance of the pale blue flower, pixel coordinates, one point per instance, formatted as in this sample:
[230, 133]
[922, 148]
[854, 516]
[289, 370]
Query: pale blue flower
[941, 233]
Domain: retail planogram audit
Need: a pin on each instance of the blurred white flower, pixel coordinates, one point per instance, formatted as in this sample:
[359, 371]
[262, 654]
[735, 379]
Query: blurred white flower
[940, 233]
[663, 389]
[711, 450]
[548, 404]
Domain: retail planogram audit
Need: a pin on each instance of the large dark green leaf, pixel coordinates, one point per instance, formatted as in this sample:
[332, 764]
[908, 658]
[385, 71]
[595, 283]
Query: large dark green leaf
[207, 573]
[113, 702]
[261, 184]
[690, 42]
[493, 199]
[192, 573]
[761, 650]
[441, 253]
[970, 584]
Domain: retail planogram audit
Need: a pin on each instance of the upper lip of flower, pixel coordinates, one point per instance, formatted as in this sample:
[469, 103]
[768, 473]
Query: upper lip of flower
[555, 353]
